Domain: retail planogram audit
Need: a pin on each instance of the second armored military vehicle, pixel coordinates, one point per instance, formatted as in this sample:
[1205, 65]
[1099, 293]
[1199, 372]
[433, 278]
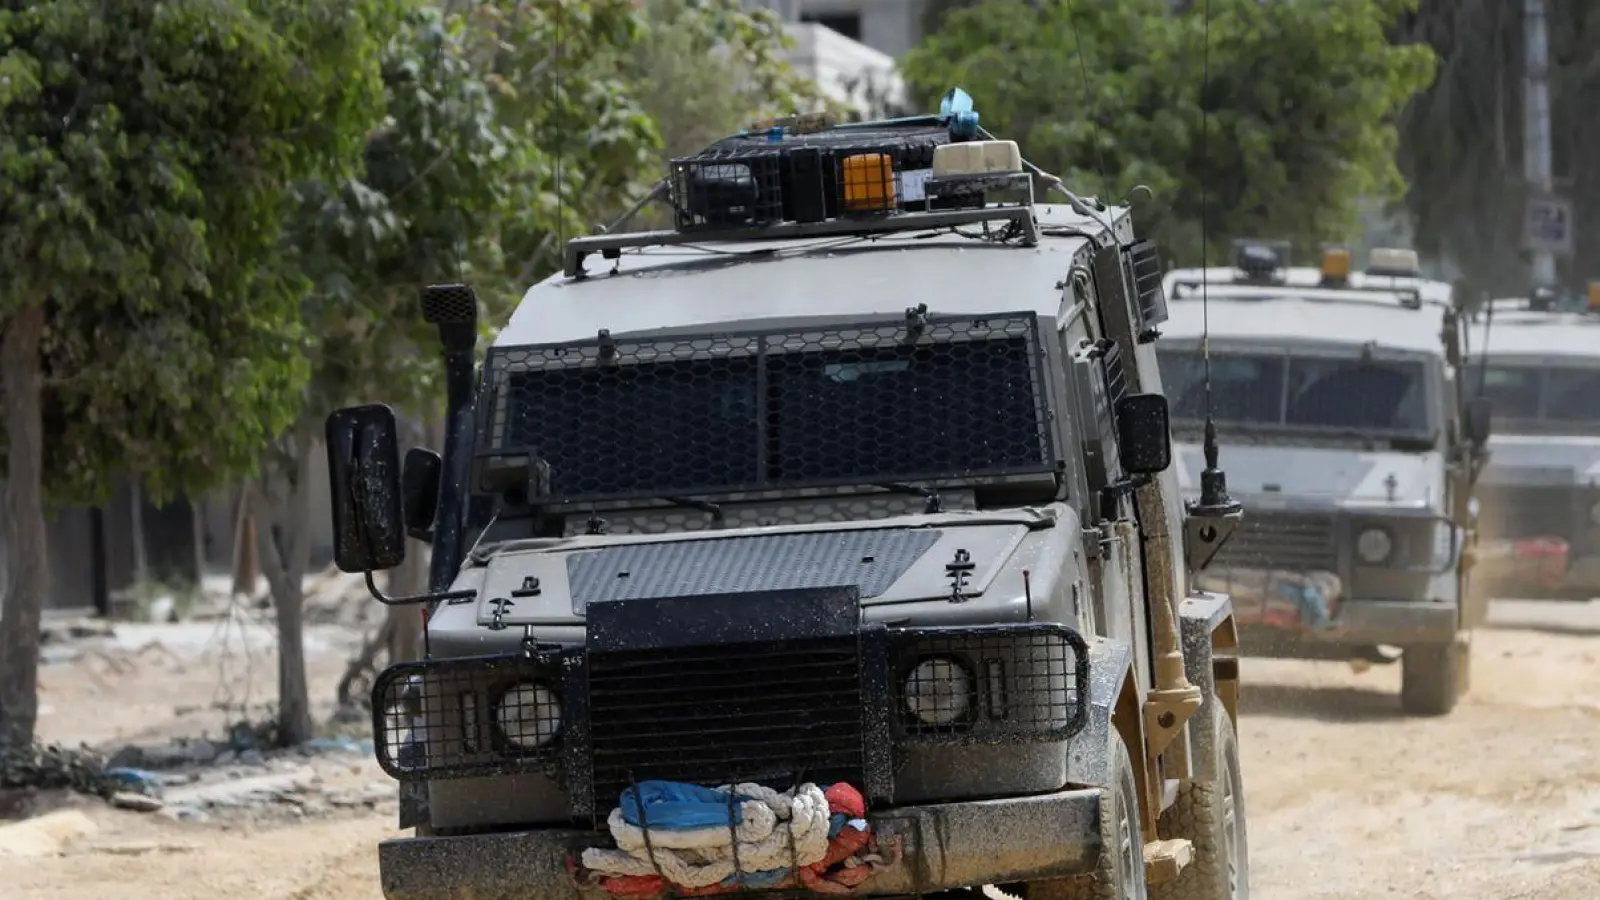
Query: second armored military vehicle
[827, 541]
[1538, 363]
[1340, 406]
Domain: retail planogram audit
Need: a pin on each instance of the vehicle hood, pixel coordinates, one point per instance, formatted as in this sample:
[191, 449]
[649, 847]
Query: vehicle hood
[1518, 460]
[897, 560]
[1270, 476]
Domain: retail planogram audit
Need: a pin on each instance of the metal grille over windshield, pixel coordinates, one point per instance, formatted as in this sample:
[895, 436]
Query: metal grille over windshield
[921, 399]
[1348, 394]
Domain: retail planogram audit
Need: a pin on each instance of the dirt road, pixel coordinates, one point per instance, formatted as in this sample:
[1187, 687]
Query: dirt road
[1346, 798]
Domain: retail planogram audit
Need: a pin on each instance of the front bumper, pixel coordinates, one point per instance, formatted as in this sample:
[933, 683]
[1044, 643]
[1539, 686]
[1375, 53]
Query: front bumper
[942, 846]
[1537, 568]
[1359, 623]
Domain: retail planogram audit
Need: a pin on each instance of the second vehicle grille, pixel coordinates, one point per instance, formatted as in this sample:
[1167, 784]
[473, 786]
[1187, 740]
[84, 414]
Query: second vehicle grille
[1295, 542]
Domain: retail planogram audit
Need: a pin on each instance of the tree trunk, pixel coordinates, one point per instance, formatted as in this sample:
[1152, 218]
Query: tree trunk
[285, 541]
[27, 559]
[405, 631]
[410, 577]
[246, 567]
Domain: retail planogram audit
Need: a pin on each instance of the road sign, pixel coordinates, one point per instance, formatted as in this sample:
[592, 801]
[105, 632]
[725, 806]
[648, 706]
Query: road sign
[1547, 225]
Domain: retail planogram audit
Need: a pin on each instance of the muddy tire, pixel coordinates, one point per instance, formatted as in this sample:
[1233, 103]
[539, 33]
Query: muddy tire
[1431, 677]
[1211, 815]
[1119, 872]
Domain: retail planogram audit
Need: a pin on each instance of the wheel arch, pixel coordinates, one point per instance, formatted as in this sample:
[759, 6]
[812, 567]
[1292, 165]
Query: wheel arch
[1115, 711]
[1211, 662]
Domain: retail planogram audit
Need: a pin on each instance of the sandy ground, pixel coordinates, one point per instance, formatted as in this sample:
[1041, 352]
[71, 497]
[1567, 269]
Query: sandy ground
[1346, 799]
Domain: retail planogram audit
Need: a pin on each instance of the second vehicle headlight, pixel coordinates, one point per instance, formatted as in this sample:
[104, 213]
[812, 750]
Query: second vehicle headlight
[1374, 546]
[529, 715]
[939, 691]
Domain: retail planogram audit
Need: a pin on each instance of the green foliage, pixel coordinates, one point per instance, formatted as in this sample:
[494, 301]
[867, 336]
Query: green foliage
[510, 124]
[1301, 97]
[704, 69]
[561, 94]
[144, 173]
[439, 174]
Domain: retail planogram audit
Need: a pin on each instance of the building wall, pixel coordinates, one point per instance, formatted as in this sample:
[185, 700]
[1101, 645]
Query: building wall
[99, 553]
[891, 27]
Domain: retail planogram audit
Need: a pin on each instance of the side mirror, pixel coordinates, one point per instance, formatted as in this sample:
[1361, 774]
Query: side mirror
[1144, 434]
[1475, 420]
[420, 488]
[369, 532]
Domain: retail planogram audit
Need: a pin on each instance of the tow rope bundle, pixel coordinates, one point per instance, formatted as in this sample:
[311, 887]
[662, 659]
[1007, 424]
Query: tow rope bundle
[681, 837]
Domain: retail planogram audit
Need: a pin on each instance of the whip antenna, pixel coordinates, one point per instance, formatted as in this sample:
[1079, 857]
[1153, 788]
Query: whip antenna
[1214, 500]
[1483, 355]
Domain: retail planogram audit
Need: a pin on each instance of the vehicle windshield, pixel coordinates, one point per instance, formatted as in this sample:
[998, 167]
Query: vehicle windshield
[1300, 392]
[832, 406]
[1536, 399]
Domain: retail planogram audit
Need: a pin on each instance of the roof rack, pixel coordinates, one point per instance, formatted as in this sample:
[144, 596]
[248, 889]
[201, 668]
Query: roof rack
[611, 246]
[805, 176]
[1409, 297]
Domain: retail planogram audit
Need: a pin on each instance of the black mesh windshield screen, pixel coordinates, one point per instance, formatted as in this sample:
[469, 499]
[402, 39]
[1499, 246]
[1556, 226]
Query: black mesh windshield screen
[951, 398]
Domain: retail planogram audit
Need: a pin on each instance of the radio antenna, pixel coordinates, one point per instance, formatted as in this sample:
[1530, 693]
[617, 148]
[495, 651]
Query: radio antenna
[1483, 355]
[1214, 500]
[561, 134]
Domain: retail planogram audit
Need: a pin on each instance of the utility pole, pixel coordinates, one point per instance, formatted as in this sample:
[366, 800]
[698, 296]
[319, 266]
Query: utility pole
[1536, 135]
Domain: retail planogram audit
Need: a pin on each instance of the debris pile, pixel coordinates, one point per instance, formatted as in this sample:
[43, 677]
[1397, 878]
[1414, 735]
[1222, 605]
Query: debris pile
[30, 768]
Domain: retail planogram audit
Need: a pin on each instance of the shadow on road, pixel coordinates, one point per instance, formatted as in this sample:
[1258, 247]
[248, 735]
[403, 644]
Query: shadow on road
[1322, 704]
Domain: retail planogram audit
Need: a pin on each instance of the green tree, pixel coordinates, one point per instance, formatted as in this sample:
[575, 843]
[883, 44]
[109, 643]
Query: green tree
[147, 326]
[506, 126]
[439, 176]
[1301, 101]
[705, 69]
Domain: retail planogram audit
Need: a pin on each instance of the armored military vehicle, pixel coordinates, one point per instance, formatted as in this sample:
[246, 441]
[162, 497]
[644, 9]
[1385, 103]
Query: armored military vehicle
[1538, 363]
[826, 541]
[1337, 395]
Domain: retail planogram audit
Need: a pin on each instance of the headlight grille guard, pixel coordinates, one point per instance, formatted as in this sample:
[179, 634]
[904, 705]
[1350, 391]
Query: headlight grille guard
[1028, 683]
[418, 734]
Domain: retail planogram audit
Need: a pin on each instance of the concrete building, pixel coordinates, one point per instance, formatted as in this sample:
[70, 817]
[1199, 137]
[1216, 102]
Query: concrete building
[890, 27]
[848, 47]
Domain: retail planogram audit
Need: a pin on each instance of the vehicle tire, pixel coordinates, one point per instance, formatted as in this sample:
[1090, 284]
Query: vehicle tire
[1430, 678]
[1211, 815]
[1119, 872]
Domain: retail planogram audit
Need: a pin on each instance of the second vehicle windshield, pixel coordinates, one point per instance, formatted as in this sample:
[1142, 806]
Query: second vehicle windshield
[1530, 397]
[1313, 392]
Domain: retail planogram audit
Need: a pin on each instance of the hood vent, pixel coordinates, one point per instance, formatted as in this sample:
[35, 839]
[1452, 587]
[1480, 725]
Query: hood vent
[871, 560]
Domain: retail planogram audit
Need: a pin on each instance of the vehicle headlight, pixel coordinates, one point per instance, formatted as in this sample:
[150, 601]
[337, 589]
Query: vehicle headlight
[1594, 514]
[529, 715]
[939, 691]
[1374, 545]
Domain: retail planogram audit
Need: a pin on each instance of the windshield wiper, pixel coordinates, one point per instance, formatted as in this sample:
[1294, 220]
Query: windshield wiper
[934, 504]
[1370, 441]
[714, 510]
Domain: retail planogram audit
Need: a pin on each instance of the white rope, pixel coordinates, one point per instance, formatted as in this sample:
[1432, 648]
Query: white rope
[777, 830]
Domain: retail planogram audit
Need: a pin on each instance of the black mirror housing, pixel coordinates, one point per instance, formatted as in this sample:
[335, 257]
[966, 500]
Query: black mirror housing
[1476, 418]
[1144, 434]
[369, 532]
[419, 484]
